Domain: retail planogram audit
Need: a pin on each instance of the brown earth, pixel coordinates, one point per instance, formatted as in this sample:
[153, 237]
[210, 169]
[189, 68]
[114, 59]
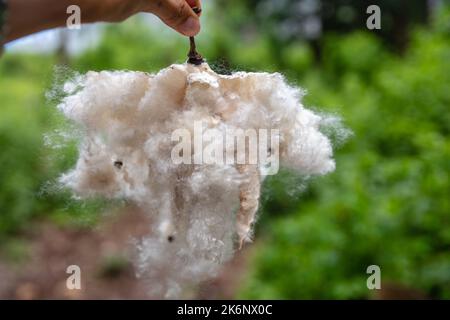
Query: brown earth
[104, 257]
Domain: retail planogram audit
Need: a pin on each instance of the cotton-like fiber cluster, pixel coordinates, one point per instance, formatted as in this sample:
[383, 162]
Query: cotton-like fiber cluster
[201, 212]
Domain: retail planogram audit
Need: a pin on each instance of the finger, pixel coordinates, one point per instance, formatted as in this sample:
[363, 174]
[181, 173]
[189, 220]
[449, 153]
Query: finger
[178, 15]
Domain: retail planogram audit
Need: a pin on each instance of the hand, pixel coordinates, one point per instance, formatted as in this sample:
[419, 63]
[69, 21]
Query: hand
[177, 14]
[26, 17]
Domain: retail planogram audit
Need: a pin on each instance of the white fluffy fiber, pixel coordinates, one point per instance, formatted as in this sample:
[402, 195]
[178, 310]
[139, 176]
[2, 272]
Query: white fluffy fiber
[127, 119]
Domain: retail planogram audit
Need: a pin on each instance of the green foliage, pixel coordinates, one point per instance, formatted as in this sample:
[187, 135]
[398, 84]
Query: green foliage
[113, 266]
[28, 167]
[388, 201]
[21, 123]
[133, 46]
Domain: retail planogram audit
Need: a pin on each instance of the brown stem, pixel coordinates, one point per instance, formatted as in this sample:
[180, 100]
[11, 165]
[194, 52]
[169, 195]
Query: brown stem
[195, 58]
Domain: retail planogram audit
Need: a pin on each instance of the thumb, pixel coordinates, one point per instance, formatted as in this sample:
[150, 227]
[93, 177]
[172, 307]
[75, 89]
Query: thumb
[178, 15]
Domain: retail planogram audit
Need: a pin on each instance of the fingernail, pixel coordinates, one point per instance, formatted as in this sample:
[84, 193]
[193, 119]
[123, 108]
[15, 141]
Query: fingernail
[190, 27]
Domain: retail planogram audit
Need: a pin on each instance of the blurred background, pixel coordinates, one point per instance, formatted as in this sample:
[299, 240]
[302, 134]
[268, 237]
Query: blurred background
[387, 204]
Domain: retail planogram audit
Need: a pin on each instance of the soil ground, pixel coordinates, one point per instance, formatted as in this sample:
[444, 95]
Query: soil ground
[104, 257]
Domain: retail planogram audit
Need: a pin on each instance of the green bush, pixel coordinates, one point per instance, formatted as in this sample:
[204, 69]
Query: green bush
[388, 201]
[28, 167]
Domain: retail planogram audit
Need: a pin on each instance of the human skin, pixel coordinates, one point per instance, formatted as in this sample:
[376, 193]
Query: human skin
[29, 16]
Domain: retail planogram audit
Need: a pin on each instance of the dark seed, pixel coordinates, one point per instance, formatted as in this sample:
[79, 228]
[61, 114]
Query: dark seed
[170, 238]
[118, 164]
